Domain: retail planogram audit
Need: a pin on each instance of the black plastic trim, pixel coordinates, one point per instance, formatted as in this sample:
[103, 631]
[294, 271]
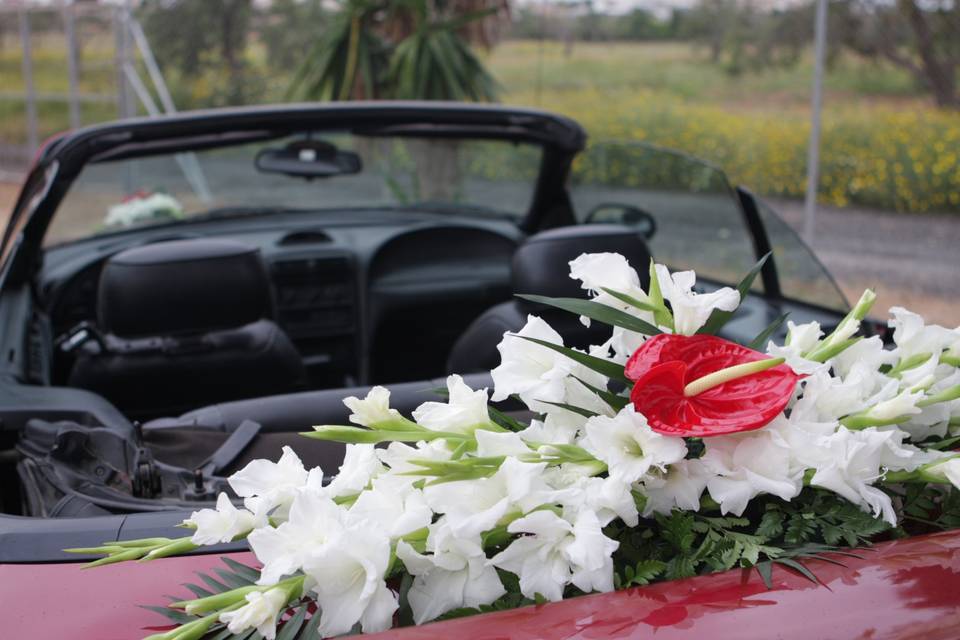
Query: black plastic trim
[761, 243]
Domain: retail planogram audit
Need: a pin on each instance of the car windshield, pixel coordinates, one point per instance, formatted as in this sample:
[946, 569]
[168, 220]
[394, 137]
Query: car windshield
[304, 172]
[692, 216]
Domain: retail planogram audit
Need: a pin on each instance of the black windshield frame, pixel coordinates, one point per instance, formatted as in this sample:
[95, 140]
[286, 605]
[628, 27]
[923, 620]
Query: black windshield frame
[64, 157]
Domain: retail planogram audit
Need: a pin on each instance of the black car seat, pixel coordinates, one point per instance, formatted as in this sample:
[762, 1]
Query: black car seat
[184, 324]
[540, 266]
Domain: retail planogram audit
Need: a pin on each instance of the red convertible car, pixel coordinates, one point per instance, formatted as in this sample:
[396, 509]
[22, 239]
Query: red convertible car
[181, 295]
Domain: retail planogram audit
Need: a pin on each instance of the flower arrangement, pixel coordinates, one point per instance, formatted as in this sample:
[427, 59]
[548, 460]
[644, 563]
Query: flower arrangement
[663, 453]
[143, 206]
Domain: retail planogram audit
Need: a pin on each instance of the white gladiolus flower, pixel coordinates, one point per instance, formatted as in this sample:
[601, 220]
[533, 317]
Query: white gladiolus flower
[515, 486]
[803, 337]
[622, 342]
[360, 466]
[598, 271]
[804, 438]
[903, 404]
[373, 409]
[553, 429]
[607, 498]
[464, 411]
[826, 398]
[394, 507]
[628, 445]
[283, 550]
[496, 443]
[690, 309]
[261, 611]
[921, 376]
[398, 458]
[266, 485]
[590, 554]
[557, 553]
[529, 370]
[800, 340]
[348, 571]
[897, 456]
[223, 524]
[948, 470]
[538, 559]
[854, 466]
[912, 336]
[747, 465]
[680, 488]
[448, 581]
[941, 411]
[868, 353]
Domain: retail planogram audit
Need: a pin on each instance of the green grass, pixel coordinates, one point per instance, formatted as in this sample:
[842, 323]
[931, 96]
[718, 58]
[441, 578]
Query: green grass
[682, 71]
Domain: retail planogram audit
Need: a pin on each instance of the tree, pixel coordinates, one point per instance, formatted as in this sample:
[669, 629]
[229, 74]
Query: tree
[410, 49]
[923, 38]
[194, 37]
[288, 28]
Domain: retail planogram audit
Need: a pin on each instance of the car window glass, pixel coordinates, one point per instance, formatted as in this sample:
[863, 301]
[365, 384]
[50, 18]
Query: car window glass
[448, 176]
[698, 221]
[802, 276]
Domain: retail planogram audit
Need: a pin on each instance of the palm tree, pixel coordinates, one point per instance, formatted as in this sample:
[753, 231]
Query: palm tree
[402, 49]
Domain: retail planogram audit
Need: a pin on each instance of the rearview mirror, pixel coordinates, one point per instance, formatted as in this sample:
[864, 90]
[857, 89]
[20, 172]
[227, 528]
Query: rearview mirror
[618, 213]
[308, 159]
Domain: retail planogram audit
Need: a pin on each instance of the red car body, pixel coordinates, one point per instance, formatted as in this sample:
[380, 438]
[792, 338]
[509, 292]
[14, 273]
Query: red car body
[897, 590]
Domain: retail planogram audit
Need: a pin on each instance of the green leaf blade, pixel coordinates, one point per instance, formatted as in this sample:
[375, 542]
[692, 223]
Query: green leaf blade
[596, 311]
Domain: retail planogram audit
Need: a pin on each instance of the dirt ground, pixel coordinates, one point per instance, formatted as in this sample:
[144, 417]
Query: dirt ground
[912, 260]
[8, 193]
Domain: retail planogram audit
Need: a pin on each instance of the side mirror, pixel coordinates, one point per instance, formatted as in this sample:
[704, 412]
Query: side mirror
[618, 213]
[308, 159]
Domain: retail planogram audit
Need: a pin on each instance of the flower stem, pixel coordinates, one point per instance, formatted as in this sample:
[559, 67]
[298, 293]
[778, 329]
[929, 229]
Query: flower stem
[716, 378]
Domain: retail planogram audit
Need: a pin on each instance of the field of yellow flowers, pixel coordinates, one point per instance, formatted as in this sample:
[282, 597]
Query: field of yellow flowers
[882, 144]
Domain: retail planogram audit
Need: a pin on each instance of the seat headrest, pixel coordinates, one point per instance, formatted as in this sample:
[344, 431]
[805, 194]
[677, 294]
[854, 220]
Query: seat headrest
[183, 286]
[541, 264]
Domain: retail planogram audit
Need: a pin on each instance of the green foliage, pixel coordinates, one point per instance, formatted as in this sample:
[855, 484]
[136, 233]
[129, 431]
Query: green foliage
[612, 370]
[347, 59]
[761, 340]
[193, 40]
[686, 544]
[399, 49]
[596, 311]
[237, 575]
[435, 63]
[930, 507]
[288, 29]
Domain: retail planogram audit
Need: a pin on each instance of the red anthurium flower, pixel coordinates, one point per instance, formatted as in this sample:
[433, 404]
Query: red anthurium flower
[739, 396]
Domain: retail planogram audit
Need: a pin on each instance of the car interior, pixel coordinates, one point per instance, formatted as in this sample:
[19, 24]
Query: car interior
[150, 361]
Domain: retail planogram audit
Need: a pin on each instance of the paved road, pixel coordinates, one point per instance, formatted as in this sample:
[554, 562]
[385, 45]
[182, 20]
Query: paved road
[912, 260]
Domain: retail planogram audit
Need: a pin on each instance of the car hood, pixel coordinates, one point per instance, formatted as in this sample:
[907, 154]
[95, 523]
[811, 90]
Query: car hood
[904, 589]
